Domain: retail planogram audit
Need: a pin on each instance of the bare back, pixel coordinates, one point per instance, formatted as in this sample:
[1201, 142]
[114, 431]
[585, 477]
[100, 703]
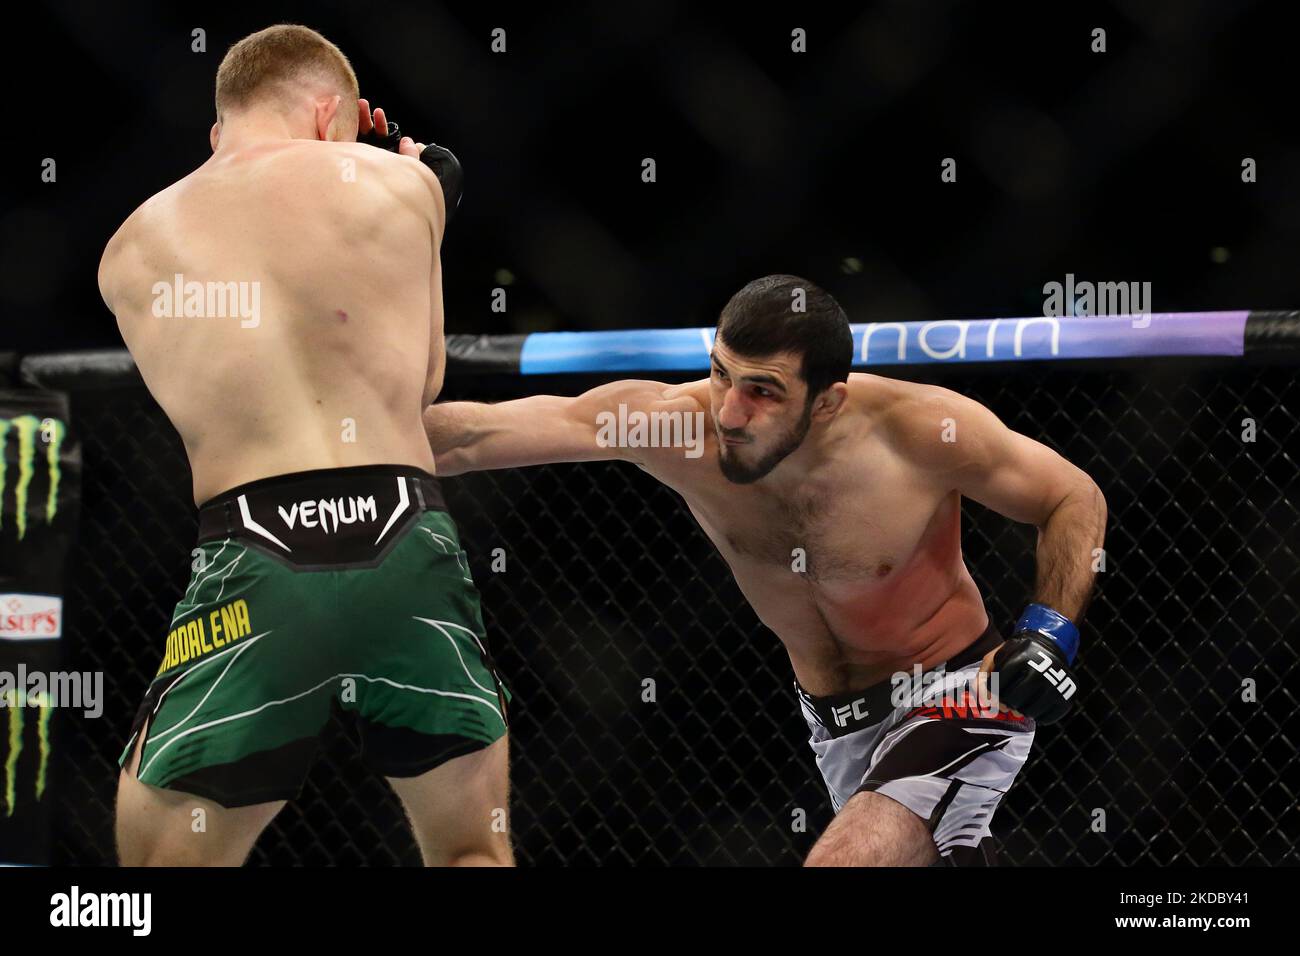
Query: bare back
[315, 268]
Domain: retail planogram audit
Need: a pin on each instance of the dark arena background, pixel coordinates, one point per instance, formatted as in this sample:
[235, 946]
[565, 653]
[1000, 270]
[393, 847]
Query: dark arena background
[1160, 159]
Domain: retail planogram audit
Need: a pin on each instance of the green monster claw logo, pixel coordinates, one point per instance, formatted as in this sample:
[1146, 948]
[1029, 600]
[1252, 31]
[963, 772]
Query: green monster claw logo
[26, 427]
[51, 433]
[16, 721]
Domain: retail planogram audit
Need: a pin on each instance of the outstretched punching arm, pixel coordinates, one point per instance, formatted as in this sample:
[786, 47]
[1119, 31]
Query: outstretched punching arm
[471, 436]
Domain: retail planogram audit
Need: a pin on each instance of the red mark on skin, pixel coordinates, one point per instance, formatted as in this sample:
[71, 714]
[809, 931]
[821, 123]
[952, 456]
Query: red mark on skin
[343, 316]
[883, 569]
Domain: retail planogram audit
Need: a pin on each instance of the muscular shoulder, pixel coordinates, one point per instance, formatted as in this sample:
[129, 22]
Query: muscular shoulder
[349, 181]
[687, 397]
[412, 183]
[124, 246]
[409, 181]
[647, 396]
[656, 407]
[933, 428]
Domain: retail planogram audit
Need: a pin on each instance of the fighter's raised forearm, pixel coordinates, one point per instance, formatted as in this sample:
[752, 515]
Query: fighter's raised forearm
[1069, 550]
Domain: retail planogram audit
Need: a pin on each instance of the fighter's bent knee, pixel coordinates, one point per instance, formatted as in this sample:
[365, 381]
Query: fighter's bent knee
[872, 829]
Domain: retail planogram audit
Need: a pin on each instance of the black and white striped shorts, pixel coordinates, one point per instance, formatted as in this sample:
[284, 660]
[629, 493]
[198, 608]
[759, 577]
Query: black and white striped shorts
[929, 745]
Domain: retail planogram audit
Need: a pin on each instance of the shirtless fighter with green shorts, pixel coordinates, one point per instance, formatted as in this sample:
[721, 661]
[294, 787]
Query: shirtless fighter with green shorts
[283, 303]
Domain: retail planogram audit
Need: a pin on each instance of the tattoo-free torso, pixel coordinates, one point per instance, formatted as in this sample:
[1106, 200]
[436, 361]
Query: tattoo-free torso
[346, 347]
[858, 571]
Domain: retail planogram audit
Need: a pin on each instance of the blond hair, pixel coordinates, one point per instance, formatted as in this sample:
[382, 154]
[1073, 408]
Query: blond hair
[267, 63]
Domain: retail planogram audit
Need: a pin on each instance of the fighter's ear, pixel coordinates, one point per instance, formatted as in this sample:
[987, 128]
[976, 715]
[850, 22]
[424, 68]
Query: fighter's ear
[329, 125]
[214, 135]
[829, 402]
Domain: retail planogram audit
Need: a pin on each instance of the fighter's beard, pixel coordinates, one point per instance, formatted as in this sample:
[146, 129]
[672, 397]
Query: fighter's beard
[739, 473]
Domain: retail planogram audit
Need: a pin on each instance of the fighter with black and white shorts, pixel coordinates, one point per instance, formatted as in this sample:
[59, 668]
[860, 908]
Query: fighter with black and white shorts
[835, 499]
[936, 746]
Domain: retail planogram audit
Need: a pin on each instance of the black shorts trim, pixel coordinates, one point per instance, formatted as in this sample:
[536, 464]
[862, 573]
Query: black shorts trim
[262, 777]
[402, 752]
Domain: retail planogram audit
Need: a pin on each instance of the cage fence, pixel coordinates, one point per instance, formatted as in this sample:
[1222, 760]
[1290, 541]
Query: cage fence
[595, 578]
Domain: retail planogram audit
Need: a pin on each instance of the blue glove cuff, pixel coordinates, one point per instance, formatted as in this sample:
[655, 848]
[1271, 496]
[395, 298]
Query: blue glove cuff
[1052, 624]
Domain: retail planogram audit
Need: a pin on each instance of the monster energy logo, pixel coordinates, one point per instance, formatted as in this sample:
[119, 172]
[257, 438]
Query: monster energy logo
[26, 427]
[17, 719]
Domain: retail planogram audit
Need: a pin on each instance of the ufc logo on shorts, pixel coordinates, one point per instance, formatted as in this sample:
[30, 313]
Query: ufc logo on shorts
[1055, 676]
[856, 709]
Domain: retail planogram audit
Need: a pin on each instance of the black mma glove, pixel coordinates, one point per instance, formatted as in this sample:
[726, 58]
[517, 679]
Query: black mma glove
[447, 168]
[1033, 666]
